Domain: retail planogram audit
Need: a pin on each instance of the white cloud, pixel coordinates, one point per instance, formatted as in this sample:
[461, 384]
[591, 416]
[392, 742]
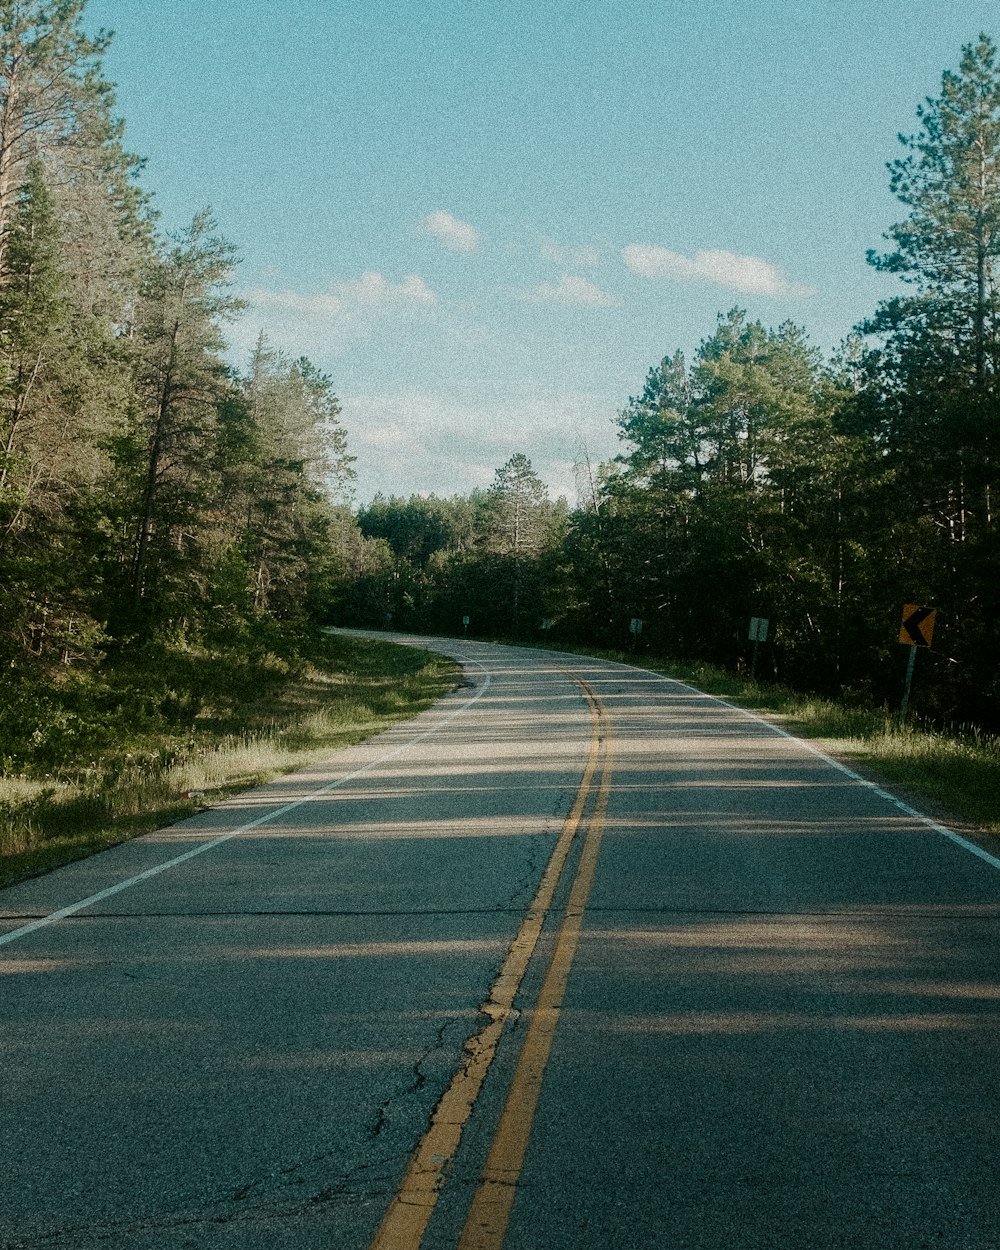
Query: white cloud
[412, 442]
[457, 236]
[374, 290]
[324, 305]
[749, 274]
[570, 290]
[583, 257]
[371, 292]
[327, 321]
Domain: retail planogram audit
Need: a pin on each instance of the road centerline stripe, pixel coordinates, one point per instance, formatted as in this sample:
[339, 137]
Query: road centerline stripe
[486, 1224]
[409, 1213]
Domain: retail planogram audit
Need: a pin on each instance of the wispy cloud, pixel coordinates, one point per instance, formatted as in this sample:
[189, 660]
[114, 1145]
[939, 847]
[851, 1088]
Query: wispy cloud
[374, 290]
[749, 274]
[371, 292]
[457, 236]
[573, 257]
[569, 290]
[414, 441]
[349, 309]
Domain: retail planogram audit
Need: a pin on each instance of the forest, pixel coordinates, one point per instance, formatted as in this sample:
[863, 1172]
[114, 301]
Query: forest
[153, 498]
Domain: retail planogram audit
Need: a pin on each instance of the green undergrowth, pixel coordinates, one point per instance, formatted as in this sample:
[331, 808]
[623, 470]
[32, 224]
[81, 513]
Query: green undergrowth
[956, 768]
[91, 760]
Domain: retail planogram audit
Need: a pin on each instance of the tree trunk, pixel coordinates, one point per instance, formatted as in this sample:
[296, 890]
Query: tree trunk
[146, 519]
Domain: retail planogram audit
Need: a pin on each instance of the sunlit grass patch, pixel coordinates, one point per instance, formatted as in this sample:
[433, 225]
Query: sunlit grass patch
[956, 767]
[959, 769]
[219, 725]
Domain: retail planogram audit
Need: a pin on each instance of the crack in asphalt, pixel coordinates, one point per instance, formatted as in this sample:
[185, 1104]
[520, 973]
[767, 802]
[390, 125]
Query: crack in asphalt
[418, 1082]
[524, 883]
[528, 880]
[232, 1208]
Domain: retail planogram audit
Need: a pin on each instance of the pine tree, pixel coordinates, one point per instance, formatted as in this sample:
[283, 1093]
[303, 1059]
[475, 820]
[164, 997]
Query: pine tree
[933, 367]
[934, 360]
[521, 525]
[181, 383]
[53, 100]
[948, 246]
[517, 501]
[296, 470]
[33, 317]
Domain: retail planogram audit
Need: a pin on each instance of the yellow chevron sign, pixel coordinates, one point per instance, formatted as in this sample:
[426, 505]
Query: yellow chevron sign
[917, 628]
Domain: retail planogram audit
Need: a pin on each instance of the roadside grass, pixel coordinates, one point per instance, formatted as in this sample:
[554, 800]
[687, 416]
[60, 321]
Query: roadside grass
[210, 726]
[956, 768]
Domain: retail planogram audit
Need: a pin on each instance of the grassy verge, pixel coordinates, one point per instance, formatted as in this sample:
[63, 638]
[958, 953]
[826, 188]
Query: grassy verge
[955, 771]
[115, 757]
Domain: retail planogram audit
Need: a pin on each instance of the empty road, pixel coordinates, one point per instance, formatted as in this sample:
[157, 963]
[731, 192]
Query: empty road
[580, 958]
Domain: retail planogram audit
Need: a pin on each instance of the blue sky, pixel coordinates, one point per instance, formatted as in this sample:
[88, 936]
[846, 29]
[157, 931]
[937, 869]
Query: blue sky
[487, 219]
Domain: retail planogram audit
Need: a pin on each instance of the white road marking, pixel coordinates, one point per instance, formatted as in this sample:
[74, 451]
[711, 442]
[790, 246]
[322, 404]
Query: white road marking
[72, 908]
[957, 838]
[898, 803]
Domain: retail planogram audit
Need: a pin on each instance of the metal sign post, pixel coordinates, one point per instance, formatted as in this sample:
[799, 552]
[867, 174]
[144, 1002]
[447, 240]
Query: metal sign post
[910, 665]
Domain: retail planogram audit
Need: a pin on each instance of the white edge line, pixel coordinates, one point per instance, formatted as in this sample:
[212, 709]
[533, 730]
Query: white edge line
[70, 910]
[834, 763]
[898, 803]
[937, 827]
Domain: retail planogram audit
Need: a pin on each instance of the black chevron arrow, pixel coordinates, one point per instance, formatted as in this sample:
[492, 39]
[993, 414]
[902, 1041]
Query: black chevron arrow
[912, 625]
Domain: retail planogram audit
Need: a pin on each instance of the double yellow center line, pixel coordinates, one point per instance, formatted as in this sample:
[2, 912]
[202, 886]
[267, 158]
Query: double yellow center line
[406, 1220]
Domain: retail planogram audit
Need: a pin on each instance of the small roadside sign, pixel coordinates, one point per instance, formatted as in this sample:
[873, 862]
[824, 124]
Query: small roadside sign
[917, 627]
[635, 625]
[757, 635]
[916, 630]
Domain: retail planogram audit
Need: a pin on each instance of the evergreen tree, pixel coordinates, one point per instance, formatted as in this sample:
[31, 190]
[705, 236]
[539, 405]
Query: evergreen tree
[33, 320]
[182, 382]
[54, 102]
[517, 513]
[934, 359]
[948, 246]
[932, 400]
[521, 525]
[38, 457]
[295, 471]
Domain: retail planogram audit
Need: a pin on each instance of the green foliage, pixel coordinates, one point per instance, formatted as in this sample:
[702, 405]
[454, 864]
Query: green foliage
[103, 756]
[145, 489]
[497, 557]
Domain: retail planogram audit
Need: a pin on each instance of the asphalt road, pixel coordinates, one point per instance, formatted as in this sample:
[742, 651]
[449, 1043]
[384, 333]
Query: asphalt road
[579, 958]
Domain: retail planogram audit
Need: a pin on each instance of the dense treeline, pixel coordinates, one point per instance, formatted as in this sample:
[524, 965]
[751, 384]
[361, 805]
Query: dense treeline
[760, 480]
[147, 490]
[493, 557]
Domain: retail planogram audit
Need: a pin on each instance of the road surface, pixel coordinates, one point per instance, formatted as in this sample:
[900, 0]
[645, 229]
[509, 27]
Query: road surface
[580, 958]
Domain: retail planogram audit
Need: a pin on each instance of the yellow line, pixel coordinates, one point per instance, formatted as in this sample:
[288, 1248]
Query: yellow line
[406, 1220]
[486, 1225]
